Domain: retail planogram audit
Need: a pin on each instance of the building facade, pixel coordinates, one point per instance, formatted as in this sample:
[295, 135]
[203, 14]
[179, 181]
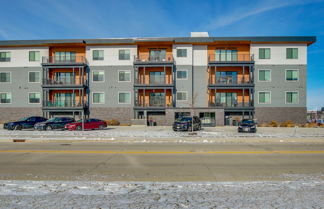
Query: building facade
[219, 79]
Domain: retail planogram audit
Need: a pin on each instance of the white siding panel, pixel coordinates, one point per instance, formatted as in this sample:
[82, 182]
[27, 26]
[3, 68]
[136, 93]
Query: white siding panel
[20, 56]
[182, 60]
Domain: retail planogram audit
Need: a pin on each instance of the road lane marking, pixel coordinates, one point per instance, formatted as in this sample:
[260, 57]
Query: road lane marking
[165, 152]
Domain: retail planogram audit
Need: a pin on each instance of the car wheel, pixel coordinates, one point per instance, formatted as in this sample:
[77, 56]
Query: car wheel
[79, 128]
[48, 128]
[101, 127]
[17, 127]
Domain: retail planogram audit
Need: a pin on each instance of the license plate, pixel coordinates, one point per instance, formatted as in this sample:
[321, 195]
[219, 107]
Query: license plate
[246, 129]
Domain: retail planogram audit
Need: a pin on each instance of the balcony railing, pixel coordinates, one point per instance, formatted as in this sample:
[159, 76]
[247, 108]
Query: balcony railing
[143, 58]
[63, 59]
[63, 103]
[157, 80]
[232, 57]
[232, 104]
[65, 81]
[229, 80]
[160, 103]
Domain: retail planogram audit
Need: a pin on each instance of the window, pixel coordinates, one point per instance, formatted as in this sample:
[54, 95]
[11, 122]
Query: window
[181, 52]
[291, 97]
[292, 53]
[158, 55]
[182, 74]
[98, 76]
[33, 77]
[226, 55]
[65, 56]
[182, 96]
[5, 77]
[124, 98]
[292, 75]
[264, 53]
[157, 78]
[34, 56]
[98, 55]
[5, 56]
[34, 98]
[264, 97]
[98, 98]
[226, 99]
[124, 76]
[124, 54]
[264, 75]
[5, 98]
[226, 77]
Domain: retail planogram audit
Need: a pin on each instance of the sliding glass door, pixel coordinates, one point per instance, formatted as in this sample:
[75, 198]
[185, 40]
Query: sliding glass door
[64, 99]
[157, 55]
[157, 99]
[226, 55]
[226, 99]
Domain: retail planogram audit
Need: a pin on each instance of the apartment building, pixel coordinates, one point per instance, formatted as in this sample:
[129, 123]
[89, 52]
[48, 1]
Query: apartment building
[219, 79]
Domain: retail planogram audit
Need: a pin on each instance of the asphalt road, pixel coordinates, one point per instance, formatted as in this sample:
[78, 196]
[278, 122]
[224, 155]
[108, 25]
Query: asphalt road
[104, 161]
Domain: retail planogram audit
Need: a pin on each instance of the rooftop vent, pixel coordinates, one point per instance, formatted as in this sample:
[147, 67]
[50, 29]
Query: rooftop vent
[199, 34]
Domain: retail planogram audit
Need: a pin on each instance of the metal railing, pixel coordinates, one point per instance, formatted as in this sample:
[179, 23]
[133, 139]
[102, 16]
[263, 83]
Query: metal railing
[150, 104]
[233, 57]
[229, 80]
[157, 80]
[63, 59]
[232, 104]
[63, 103]
[148, 58]
[65, 81]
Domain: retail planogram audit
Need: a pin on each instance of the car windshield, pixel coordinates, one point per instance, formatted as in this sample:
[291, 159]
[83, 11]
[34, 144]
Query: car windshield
[80, 121]
[247, 122]
[23, 119]
[52, 120]
[183, 119]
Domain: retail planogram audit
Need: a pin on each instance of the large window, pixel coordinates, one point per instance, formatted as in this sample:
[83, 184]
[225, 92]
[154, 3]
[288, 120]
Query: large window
[34, 98]
[181, 52]
[157, 55]
[98, 55]
[226, 77]
[5, 56]
[124, 76]
[226, 99]
[157, 77]
[5, 77]
[98, 98]
[292, 97]
[226, 55]
[34, 56]
[124, 54]
[264, 75]
[264, 53]
[182, 96]
[33, 77]
[292, 75]
[98, 76]
[157, 99]
[182, 74]
[124, 97]
[5, 98]
[65, 56]
[264, 97]
[292, 53]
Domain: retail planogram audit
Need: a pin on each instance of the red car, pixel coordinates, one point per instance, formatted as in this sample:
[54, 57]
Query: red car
[88, 125]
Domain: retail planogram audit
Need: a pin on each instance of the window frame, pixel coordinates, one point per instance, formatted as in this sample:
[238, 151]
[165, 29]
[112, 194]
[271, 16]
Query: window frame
[264, 92]
[35, 56]
[291, 80]
[259, 75]
[187, 71]
[130, 75]
[104, 79]
[291, 92]
[40, 97]
[265, 58]
[10, 78]
[34, 72]
[186, 92]
[120, 54]
[130, 95]
[10, 96]
[103, 55]
[9, 52]
[186, 50]
[92, 97]
[292, 58]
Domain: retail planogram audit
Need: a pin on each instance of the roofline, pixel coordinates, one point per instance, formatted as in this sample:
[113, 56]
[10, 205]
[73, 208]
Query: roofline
[177, 40]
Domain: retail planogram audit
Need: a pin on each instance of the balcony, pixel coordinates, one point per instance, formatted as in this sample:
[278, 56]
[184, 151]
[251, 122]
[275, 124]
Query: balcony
[154, 105]
[64, 60]
[231, 58]
[226, 81]
[64, 83]
[232, 104]
[146, 59]
[63, 104]
[151, 81]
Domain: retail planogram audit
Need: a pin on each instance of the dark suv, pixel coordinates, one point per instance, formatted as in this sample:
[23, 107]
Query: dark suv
[185, 123]
[54, 123]
[22, 123]
[247, 126]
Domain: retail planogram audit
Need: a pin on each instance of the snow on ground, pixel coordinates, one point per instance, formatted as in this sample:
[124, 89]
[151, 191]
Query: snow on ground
[144, 134]
[85, 194]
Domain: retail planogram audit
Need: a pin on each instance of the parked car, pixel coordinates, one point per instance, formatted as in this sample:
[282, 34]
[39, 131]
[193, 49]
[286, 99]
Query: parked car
[247, 126]
[23, 123]
[320, 122]
[54, 123]
[89, 124]
[185, 123]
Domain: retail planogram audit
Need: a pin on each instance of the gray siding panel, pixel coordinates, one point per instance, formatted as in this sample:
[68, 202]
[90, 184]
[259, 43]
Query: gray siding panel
[200, 85]
[184, 85]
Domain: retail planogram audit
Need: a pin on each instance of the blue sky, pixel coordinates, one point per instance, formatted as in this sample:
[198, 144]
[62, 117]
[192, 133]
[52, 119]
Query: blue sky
[59, 19]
